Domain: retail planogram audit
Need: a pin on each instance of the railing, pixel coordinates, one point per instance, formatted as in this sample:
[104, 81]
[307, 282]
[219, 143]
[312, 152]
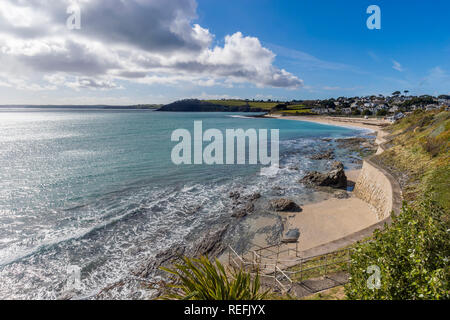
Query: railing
[267, 263]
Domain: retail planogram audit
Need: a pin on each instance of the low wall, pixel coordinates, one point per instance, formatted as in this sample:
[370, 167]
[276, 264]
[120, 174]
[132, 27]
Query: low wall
[378, 188]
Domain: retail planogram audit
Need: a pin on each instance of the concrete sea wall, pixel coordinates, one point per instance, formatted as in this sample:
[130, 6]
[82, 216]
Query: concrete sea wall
[378, 188]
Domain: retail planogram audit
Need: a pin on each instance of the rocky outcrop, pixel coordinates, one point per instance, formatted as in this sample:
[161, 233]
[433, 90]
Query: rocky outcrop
[327, 155]
[195, 105]
[243, 205]
[335, 178]
[284, 205]
[363, 146]
[241, 212]
[210, 245]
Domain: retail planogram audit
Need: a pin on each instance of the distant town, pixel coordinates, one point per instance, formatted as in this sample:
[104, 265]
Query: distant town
[392, 107]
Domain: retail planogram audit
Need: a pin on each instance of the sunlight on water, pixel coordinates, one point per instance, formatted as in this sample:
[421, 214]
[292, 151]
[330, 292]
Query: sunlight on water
[97, 189]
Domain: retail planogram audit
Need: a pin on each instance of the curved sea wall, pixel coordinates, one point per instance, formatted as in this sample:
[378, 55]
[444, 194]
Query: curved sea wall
[378, 188]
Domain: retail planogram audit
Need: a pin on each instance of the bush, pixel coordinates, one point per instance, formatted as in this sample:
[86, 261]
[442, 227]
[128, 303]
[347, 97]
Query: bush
[201, 279]
[412, 255]
[381, 113]
[433, 146]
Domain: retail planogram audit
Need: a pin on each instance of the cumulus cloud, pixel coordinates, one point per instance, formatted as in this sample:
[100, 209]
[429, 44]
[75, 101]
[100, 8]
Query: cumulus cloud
[142, 41]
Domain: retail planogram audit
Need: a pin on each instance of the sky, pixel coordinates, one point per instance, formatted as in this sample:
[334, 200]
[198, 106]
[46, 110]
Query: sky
[158, 51]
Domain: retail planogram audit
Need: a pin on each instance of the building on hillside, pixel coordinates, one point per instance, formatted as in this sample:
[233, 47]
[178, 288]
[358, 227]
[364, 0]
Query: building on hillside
[432, 107]
[393, 109]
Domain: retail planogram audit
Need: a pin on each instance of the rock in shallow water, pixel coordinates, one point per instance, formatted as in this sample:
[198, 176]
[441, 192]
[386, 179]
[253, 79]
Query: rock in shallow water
[242, 212]
[284, 205]
[327, 155]
[334, 178]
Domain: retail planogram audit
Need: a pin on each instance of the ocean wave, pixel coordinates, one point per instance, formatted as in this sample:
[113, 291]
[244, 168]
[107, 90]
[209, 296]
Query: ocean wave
[111, 235]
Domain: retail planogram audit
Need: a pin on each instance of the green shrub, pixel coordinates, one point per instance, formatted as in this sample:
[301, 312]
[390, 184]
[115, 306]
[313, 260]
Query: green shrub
[412, 255]
[201, 279]
[381, 113]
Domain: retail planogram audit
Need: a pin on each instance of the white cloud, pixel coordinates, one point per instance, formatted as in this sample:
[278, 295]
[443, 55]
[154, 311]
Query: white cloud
[147, 42]
[397, 66]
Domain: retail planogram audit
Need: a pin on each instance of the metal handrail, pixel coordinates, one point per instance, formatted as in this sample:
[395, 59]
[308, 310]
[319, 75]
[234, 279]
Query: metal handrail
[278, 266]
[290, 280]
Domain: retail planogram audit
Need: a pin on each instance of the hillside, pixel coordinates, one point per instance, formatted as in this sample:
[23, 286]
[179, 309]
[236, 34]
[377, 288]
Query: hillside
[411, 254]
[259, 105]
[194, 105]
[418, 155]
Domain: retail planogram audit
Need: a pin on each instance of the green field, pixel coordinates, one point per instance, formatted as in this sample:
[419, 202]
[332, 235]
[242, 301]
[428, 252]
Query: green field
[294, 112]
[237, 103]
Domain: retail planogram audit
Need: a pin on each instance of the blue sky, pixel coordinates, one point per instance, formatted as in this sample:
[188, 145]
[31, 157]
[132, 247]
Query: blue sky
[156, 51]
[353, 60]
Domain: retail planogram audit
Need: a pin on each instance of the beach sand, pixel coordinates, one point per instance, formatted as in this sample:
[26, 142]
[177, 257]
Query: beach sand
[330, 220]
[325, 221]
[372, 124]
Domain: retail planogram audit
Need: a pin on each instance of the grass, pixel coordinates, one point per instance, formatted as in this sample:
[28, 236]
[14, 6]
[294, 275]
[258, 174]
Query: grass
[297, 111]
[336, 293]
[419, 156]
[298, 107]
[316, 267]
[252, 104]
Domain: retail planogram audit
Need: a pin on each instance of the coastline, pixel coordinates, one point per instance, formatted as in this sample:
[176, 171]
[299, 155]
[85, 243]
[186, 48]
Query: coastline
[371, 124]
[329, 221]
[326, 225]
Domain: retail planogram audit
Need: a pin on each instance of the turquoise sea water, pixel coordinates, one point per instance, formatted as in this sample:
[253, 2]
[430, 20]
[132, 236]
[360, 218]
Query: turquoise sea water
[97, 189]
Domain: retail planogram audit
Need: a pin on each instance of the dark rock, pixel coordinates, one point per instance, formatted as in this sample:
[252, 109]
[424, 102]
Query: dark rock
[327, 155]
[335, 178]
[291, 236]
[235, 195]
[242, 212]
[342, 195]
[358, 144]
[210, 245]
[255, 196]
[350, 142]
[244, 207]
[284, 205]
[162, 259]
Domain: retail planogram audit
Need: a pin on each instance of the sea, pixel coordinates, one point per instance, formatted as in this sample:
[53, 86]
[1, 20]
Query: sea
[96, 191]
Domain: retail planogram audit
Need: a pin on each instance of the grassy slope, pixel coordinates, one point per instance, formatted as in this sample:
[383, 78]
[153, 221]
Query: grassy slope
[419, 155]
[233, 103]
[292, 109]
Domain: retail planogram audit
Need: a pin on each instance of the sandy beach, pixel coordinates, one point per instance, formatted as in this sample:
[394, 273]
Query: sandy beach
[372, 124]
